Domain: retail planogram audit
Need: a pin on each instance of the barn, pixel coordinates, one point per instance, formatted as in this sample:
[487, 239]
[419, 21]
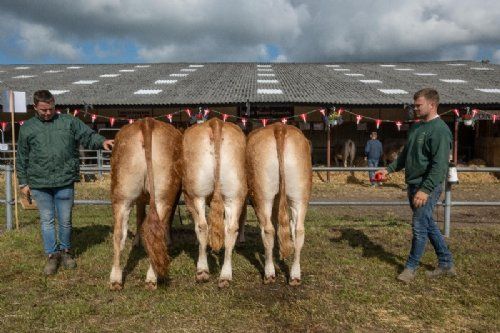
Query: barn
[366, 96]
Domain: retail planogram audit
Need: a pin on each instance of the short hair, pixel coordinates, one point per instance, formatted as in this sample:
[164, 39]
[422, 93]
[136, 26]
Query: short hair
[44, 96]
[429, 94]
[373, 133]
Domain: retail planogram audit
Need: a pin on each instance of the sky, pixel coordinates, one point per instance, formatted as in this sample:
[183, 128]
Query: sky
[126, 31]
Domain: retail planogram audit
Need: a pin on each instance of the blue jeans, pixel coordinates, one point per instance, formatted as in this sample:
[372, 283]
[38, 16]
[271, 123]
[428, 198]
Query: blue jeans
[423, 227]
[52, 201]
[372, 163]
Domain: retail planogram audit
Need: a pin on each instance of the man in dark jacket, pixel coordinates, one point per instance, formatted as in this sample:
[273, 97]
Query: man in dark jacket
[425, 159]
[48, 166]
[373, 152]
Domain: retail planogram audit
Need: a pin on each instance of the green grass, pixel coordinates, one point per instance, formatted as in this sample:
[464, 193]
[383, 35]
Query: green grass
[348, 265]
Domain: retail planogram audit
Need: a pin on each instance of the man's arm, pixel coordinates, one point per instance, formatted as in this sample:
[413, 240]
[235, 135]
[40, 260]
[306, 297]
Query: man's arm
[367, 148]
[22, 158]
[88, 138]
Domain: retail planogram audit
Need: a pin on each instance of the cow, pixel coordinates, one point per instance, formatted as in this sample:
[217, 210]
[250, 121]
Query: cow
[392, 149]
[144, 168]
[345, 152]
[213, 173]
[280, 178]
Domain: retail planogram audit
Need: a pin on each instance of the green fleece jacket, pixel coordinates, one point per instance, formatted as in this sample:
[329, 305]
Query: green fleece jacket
[47, 151]
[425, 157]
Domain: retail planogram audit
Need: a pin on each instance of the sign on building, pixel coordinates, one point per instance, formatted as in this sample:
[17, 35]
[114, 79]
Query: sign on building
[19, 101]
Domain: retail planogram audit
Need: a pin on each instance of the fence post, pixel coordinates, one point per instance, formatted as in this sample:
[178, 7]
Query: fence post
[8, 196]
[99, 162]
[447, 209]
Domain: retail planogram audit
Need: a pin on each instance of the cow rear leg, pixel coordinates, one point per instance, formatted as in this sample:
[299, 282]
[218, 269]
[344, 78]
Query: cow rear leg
[141, 214]
[242, 221]
[121, 211]
[264, 211]
[298, 210]
[197, 210]
[232, 212]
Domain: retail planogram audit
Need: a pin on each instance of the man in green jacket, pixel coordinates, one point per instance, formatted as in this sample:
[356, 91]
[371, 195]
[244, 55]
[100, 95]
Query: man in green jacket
[425, 159]
[47, 167]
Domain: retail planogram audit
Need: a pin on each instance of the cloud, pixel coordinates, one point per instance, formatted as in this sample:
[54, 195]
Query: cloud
[241, 30]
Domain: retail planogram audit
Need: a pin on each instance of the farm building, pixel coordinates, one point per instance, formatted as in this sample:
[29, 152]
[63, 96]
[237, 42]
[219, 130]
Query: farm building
[251, 94]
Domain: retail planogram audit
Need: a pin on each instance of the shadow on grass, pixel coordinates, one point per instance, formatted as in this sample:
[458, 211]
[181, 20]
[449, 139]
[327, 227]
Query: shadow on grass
[86, 237]
[357, 238]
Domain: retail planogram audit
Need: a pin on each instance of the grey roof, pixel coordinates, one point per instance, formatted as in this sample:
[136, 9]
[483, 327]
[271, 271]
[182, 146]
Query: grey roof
[236, 83]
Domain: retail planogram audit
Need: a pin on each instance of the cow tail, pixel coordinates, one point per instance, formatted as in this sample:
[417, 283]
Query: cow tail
[283, 221]
[153, 230]
[216, 215]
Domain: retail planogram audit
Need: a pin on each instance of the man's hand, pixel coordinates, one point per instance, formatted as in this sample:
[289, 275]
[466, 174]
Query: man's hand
[420, 199]
[108, 144]
[381, 174]
[25, 190]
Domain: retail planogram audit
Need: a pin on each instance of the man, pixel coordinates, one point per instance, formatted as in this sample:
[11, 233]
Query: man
[425, 158]
[373, 152]
[48, 166]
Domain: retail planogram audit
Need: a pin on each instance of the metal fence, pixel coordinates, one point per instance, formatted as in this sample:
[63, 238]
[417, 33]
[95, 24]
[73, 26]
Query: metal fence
[103, 167]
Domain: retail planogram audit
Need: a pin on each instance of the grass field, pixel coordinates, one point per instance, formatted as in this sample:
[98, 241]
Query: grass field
[349, 267]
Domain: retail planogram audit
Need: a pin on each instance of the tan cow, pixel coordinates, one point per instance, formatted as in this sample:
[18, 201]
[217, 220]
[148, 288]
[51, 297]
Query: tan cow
[143, 167]
[280, 178]
[213, 171]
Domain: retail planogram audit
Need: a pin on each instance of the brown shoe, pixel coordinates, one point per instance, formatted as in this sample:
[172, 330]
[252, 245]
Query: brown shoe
[407, 275]
[52, 263]
[440, 271]
[67, 260]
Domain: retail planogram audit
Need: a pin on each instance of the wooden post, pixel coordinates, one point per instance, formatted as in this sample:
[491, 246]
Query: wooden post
[11, 106]
[455, 142]
[328, 157]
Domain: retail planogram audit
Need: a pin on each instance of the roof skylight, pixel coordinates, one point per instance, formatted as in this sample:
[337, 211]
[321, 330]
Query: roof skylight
[453, 80]
[147, 92]
[58, 92]
[86, 82]
[489, 90]
[267, 81]
[370, 81]
[165, 81]
[393, 91]
[109, 75]
[269, 91]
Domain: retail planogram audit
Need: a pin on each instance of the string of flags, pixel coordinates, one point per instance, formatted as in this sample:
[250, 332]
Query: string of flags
[331, 117]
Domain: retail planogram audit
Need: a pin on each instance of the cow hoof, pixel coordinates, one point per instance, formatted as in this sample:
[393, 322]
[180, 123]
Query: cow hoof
[151, 286]
[202, 276]
[115, 286]
[269, 279]
[223, 284]
[295, 282]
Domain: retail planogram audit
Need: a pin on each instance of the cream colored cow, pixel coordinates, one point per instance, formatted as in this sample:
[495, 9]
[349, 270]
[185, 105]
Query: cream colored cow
[213, 172]
[279, 178]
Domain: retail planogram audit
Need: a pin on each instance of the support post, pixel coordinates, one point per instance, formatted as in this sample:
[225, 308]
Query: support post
[447, 210]
[8, 196]
[99, 162]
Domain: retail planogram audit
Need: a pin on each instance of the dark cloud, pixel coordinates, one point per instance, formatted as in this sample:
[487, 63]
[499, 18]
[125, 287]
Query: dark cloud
[242, 30]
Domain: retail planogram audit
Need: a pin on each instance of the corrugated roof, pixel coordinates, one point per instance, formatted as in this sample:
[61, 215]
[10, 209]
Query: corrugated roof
[463, 82]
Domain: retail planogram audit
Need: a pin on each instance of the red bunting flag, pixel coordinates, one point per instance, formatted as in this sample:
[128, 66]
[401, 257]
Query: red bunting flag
[284, 120]
[322, 111]
[457, 113]
[58, 111]
[264, 122]
[112, 121]
[244, 121]
[169, 117]
[75, 113]
[206, 112]
[358, 119]
[474, 112]
[304, 117]
[188, 112]
[224, 117]
[130, 121]
[378, 121]
[21, 122]
[94, 116]
[494, 118]
[340, 111]
[4, 125]
[398, 124]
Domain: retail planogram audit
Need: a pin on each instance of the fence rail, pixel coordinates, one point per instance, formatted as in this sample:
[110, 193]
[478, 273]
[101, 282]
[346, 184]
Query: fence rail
[446, 203]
